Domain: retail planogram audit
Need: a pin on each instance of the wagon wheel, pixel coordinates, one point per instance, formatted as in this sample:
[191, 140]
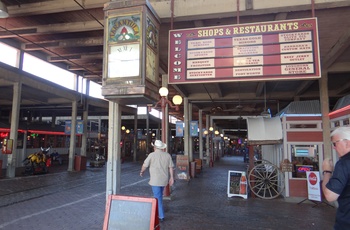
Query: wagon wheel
[266, 180]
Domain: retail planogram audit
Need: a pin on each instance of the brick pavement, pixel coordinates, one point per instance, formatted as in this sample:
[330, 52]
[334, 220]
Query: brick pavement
[76, 200]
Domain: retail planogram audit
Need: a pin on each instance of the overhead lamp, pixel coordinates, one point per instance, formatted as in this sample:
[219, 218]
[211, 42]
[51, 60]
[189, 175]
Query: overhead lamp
[3, 10]
[163, 92]
[177, 100]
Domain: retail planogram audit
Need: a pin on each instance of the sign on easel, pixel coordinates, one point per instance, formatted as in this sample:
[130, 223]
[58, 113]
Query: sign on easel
[182, 171]
[237, 184]
[313, 185]
[7, 146]
[130, 212]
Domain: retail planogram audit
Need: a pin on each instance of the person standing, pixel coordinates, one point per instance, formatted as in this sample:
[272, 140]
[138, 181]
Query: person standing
[160, 167]
[336, 180]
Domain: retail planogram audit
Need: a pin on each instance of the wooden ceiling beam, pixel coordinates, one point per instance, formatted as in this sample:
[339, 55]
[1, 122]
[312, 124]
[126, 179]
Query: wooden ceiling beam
[259, 89]
[218, 90]
[337, 50]
[343, 89]
[81, 42]
[303, 87]
[91, 76]
[91, 67]
[49, 7]
[54, 28]
[75, 57]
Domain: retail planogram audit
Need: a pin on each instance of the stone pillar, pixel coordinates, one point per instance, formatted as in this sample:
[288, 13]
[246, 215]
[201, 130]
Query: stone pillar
[11, 158]
[72, 136]
[200, 126]
[114, 153]
[324, 101]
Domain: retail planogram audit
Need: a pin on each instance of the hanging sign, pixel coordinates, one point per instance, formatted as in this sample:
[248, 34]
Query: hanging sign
[277, 50]
[79, 127]
[179, 129]
[194, 128]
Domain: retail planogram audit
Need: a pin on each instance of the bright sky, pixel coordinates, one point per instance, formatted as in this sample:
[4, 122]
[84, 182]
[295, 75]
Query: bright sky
[57, 75]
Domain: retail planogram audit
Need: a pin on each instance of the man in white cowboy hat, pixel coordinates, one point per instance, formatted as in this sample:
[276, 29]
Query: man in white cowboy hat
[160, 167]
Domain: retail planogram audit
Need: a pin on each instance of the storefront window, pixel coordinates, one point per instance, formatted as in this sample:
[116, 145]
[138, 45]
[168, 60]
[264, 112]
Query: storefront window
[304, 158]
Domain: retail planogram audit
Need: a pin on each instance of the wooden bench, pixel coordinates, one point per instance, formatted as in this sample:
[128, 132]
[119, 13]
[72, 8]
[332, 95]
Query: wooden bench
[198, 165]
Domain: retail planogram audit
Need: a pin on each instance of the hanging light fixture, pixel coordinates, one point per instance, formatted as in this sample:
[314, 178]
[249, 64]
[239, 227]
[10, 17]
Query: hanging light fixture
[3, 10]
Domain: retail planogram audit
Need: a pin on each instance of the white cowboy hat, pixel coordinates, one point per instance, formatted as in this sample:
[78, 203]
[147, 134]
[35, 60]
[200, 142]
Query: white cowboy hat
[159, 144]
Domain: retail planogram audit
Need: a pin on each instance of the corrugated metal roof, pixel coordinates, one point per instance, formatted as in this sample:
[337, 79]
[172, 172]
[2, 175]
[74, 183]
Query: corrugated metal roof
[342, 102]
[302, 107]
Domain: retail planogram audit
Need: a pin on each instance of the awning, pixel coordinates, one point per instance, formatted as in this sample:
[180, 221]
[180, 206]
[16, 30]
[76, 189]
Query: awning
[264, 131]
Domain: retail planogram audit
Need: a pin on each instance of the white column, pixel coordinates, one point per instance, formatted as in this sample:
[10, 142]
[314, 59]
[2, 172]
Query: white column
[200, 135]
[135, 139]
[11, 158]
[326, 127]
[72, 136]
[186, 129]
[84, 137]
[207, 139]
[114, 154]
[190, 139]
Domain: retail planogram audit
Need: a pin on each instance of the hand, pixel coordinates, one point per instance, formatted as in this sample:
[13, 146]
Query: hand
[141, 174]
[327, 165]
[171, 181]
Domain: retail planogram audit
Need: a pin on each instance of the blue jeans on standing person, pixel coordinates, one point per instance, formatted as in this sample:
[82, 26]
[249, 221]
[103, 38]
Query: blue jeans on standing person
[158, 193]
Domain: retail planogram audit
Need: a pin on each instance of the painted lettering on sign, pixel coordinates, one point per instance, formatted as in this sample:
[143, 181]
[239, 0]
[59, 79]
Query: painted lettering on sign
[251, 52]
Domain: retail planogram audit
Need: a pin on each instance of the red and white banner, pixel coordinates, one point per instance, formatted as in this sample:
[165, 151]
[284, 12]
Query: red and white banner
[278, 50]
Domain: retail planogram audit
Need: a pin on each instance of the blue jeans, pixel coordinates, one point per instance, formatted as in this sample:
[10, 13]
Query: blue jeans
[158, 193]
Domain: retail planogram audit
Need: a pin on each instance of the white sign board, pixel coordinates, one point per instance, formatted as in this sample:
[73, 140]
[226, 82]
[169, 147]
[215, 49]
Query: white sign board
[237, 184]
[313, 185]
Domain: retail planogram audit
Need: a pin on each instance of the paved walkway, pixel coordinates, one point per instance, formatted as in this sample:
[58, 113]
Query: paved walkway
[76, 200]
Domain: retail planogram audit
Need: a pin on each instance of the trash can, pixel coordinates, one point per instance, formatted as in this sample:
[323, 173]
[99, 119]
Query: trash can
[80, 163]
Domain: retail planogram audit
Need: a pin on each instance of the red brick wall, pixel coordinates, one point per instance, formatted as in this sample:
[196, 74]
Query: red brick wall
[298, 188]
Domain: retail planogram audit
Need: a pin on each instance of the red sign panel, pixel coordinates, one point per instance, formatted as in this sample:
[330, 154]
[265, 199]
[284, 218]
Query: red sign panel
[279, 50]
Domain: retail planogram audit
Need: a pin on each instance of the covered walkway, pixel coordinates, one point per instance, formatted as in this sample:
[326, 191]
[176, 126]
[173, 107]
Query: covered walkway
[76, 200]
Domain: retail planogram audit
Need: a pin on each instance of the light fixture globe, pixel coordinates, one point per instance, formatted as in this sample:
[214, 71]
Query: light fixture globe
[163, 92]
[177, 100]
[3, 10]
[123, 127]
[211, 129]
[127, 131]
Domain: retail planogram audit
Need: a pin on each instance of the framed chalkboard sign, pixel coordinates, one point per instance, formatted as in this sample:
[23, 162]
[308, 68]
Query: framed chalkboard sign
[130, 212]
[182, 171]
[237, 184]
